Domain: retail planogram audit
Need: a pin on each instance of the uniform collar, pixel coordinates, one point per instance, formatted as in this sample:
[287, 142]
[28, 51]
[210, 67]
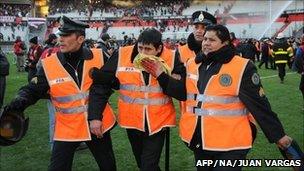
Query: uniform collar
[193, 44]
[82, 54]
[223, 55]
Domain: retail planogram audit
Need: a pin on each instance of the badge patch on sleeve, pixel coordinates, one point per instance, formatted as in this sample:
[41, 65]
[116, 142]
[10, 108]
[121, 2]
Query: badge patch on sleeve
[225, 80]
[34, 80]
[255, 78]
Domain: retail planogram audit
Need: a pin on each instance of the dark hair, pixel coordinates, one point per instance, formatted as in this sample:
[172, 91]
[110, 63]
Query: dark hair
[221, 32]
[150, 36]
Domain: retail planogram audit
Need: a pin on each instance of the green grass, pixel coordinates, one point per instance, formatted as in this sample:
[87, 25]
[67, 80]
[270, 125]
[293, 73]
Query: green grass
[33, 152]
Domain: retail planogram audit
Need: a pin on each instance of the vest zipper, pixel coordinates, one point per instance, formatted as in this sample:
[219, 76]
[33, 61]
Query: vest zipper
[75, 72]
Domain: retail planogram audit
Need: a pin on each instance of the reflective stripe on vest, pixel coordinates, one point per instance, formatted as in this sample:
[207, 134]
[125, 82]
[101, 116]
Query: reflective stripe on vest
[141, 104]
[213, 112]
[70, 100]
[281, 61]
[212, 99]
[224, 119]
[131, 87]
[142, 101]
[280, 53]
[73, 110]
[65, 99]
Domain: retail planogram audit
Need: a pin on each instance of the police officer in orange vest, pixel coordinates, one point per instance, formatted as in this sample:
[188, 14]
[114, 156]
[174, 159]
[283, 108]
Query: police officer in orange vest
[224, 96]
[66, 76]
[144, 109]
[200, 20]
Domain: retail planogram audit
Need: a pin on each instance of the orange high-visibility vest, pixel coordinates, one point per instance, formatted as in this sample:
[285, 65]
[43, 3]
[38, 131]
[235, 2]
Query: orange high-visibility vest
[138, 102]
[71, 102]
[224, 118]
[185, 53]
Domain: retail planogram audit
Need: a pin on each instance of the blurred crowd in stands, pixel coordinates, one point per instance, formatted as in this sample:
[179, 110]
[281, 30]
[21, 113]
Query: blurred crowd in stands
[145, 8]
[17, 10]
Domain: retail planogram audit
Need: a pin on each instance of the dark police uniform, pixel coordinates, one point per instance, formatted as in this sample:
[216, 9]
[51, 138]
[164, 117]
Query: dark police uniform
[63, 152]
[145, 147]
[250, 93]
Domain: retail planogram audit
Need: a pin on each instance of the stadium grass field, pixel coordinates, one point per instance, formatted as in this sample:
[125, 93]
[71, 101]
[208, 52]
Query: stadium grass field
[33, 152]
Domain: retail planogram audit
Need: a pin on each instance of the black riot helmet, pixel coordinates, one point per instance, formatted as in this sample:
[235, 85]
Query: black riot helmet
[13, 126]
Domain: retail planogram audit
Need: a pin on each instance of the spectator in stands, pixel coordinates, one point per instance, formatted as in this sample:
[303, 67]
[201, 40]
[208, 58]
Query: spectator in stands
[4, 71]
[34, 54]
[19, 50]
[194, 42]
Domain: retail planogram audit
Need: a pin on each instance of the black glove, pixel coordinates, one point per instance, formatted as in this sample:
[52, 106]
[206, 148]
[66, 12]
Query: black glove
[16, 105]
[5, 109]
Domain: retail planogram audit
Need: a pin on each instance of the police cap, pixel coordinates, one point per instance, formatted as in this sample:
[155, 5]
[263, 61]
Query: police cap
[68, 26]
[13, 127]
[202, 17]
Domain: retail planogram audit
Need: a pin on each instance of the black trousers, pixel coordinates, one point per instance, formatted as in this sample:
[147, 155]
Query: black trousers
[282, 71]
[31, 74]
[2, 89]
[232, 155]
[264, 61]
[272, 63]
[146, 149]
[101, 148]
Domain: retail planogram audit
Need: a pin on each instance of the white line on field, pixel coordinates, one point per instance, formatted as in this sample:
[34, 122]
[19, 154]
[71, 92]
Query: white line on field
[271, 76]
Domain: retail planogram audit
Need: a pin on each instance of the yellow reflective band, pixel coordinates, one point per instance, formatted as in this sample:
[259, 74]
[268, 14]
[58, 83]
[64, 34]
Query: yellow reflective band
[281, 53]
[280, 61]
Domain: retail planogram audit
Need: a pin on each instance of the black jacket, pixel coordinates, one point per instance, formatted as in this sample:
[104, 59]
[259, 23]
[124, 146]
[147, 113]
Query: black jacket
[34, 91]
[193, 44]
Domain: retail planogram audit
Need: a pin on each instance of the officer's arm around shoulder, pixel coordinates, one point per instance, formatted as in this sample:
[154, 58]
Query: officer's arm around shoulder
[175, 83]
[106, 74]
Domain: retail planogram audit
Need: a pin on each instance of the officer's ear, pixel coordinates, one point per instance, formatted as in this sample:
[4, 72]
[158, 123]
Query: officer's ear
[80, 39]
[159, 49]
